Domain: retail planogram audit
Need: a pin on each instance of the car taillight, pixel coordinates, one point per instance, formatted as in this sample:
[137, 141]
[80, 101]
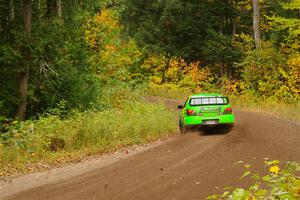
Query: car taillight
[190, 112]
[228, 110]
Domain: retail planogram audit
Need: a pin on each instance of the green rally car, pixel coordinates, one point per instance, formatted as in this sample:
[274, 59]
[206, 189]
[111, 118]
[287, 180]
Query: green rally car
[205, 110]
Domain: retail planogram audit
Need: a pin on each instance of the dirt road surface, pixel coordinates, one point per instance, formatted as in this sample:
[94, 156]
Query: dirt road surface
[190, 166]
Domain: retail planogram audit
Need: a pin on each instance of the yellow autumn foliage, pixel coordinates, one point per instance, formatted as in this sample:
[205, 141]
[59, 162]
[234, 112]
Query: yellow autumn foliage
[274, 169]
[293, 77]
[177, 71]
[100, 26]
[113, 55]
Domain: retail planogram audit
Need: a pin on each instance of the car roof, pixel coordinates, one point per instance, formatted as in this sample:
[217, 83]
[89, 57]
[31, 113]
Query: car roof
[206, 95]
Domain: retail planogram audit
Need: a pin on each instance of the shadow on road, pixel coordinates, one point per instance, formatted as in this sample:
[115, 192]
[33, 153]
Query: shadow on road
[209, 131]
[217, 130]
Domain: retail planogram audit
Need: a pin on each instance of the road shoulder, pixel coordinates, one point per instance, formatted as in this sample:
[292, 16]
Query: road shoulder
[26, 182]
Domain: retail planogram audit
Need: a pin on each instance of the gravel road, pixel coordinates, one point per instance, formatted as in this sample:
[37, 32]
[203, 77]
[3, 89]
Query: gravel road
[190, 166]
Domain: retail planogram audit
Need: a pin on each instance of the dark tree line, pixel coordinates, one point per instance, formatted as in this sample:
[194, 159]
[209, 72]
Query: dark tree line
[45, 58]
[195, 30]
[33, 36]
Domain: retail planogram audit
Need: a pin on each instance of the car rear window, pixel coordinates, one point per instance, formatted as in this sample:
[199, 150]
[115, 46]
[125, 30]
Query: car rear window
[208, 101]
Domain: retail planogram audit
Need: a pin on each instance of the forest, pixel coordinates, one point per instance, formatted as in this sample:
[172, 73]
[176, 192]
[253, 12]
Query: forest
[55, 52]
[69, 64]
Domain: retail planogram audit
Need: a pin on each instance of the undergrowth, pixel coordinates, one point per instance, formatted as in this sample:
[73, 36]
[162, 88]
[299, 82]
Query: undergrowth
[276, 184]
[50, 138]
[243, 101]
[268, 106]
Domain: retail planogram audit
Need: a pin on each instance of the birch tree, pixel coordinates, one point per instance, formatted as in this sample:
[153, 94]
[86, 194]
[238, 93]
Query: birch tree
[256, 23]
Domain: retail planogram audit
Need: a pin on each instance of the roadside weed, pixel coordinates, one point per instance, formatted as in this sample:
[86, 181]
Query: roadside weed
[52, 139]
[276, 184]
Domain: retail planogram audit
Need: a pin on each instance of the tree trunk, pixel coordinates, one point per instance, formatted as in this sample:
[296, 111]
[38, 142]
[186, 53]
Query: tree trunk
[24, 74]
[256, 23]
[222, 69]
[11, 19]
[50, 8]
[22, 91]
[58, 8]
[233, 26]
[11, 12]
[27, 17]
[221, 27]
[221, 79]
[38, 10]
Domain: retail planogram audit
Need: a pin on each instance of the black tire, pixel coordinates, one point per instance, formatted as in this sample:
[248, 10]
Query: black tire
[229, 127]
[182, 129]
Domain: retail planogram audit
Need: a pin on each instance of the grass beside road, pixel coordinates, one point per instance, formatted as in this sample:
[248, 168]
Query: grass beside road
[50, 139]
[268, 106]
[247, 102]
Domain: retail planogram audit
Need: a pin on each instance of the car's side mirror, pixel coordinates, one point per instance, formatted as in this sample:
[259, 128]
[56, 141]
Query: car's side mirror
[180, 107]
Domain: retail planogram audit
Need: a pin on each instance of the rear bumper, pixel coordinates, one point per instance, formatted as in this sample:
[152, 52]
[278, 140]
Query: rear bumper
[198, 120]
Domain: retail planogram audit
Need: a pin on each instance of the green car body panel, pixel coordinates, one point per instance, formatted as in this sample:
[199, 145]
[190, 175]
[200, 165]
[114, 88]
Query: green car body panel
[206, 109]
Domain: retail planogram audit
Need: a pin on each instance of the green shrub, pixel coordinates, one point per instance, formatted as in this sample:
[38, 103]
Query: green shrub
[270, 105]
[168, 91]
[269, 73]
[51, 138]
[277, 184]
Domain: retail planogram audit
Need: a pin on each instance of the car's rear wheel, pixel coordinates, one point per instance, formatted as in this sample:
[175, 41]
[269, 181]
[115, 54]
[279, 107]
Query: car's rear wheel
[182, 129]
[229, 126]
